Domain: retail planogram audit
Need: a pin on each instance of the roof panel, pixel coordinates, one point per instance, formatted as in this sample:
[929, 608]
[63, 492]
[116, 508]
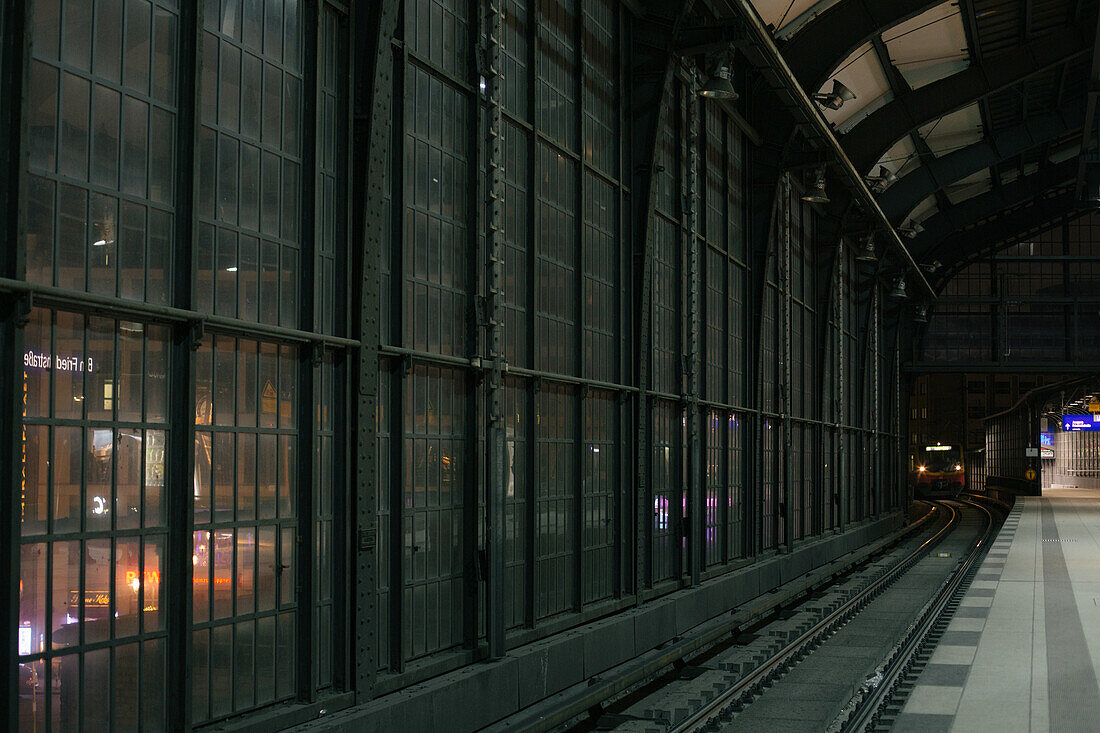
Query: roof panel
[930, 46]
[957, 130]
[972, 185]
[924, 209]
[901, 158]
[782, 14]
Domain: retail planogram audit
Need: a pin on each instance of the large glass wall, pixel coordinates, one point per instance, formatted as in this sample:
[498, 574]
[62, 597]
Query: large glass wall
[115, 581]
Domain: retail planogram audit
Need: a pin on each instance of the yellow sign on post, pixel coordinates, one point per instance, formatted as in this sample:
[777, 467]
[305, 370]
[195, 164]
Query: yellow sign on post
[1030, 474]
[1094, 405]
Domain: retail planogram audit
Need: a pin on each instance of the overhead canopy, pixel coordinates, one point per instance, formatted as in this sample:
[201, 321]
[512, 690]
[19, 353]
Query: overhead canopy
[980, 108]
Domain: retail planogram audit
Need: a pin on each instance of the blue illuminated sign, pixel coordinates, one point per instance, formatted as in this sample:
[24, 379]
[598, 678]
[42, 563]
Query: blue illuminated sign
[1073, 423]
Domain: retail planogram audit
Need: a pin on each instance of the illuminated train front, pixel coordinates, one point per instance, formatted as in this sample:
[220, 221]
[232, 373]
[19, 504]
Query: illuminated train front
[938, 470]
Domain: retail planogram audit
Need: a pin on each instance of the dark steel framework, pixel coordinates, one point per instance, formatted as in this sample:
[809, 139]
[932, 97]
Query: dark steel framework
[553, 338]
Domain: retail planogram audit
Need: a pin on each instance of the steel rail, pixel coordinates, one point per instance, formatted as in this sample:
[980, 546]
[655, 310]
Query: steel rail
[720, 709]
[872, 698]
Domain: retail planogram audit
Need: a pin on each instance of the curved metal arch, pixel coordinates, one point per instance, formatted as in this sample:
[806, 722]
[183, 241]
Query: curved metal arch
[1041, 215]
[946, 228]
[935, 174]
[828, 39]
[870, 139]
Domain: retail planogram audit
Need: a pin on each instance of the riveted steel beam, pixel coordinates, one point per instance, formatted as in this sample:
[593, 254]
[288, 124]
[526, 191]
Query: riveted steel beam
[759, 47]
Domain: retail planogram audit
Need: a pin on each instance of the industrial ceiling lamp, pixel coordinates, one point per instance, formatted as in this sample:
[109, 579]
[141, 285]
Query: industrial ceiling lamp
[898, 293]
[816, 194]
[867, 253]
[910, 229]
[719, 86]
[931, 266]
[882, 180]
[920, 315]
[836, 98]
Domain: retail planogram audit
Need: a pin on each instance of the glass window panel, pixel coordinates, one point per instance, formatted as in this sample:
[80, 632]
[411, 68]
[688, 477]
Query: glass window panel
[34, 480]
[137, 50]
[131, 252]
[128, 586]
[201, 562]
[76, 45]
[152, 587]
[135, 152]
[161, 156]
[32, 698]
[152, 686]
[203, 458]
[41, 117]
[266, 476]
[32, 598]
[96, 714]
[37, 364]
[72, 241]
[222, 588]
[67, 464]
[246, 570]
[230, 87]
[244, 653]
[108, 39]
[127, 673]
[252, 69]
[265, 569]
[98, 599]
[129, 465]
[287, 568]
[246, 476]
[285, 657]
[75, 102]
[103, 249]
[105, 136]
[65, 595]
[164, 56]
[46, 28]
[159, 257]
[224, 463]
[99, 377]
[265, 659]
[39, 206]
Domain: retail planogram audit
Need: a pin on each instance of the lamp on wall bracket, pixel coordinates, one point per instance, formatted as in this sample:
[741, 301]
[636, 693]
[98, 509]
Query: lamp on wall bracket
[881, 180]
[910, 229]
[898, 293]
[867, 251]
[719, 85]
[931, 266]
[816, 194]
[920, 313]
[835, 98]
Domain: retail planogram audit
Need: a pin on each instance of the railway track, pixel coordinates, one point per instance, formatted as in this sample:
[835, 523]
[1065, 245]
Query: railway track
[796, 664]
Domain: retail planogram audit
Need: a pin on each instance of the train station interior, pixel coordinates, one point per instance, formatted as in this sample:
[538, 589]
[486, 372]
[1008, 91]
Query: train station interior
[550, 365]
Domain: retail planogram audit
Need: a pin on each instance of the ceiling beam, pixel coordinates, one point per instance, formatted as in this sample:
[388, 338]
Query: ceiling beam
[872, 137]
[944, 234]
[936, 173]
[833, 35]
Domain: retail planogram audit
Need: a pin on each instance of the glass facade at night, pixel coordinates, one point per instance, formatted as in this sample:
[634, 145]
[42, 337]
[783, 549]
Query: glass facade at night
[246, 326]
[114, 582]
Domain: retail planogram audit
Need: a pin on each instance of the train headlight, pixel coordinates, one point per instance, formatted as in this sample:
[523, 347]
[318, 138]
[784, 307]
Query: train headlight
[922, 469]
[958, 467]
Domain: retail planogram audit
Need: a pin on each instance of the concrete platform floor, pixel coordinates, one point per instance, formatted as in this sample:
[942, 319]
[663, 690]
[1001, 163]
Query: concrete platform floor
[1023, 651]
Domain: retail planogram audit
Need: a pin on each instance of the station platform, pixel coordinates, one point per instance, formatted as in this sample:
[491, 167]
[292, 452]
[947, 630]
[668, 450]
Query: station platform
[1022, 652]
